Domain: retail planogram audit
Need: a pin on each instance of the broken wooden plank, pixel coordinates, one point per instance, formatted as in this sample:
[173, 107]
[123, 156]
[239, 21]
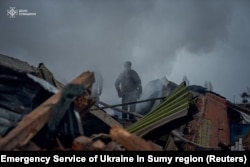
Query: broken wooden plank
[106, 118]
[33, 122]
[132, 142]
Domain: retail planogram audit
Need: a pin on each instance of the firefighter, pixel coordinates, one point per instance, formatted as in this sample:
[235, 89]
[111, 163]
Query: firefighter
[128, 87]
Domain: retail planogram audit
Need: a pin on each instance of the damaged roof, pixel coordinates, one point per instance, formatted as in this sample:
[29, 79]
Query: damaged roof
[15, 64]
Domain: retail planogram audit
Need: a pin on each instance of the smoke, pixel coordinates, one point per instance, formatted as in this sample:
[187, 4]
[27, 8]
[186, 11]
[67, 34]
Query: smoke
[74, 36]
[153, 89]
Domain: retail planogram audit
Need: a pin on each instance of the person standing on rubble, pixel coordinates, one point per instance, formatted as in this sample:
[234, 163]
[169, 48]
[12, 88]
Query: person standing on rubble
[128, 87]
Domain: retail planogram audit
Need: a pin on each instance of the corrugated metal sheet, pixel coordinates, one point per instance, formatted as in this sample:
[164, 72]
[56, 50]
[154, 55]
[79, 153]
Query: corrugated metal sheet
[173, 107]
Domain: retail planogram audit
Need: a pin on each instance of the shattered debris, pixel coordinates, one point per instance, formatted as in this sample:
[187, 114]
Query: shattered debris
[39, 113]
[132, 142]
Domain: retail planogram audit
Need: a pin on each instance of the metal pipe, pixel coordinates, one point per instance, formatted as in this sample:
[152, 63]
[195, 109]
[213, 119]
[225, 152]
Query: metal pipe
[117, 105]
[117, 109]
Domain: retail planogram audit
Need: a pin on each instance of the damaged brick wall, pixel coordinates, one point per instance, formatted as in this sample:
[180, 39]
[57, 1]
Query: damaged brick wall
[210, 125]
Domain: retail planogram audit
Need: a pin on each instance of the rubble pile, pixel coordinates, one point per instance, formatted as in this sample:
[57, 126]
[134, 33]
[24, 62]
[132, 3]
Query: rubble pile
[39, 113]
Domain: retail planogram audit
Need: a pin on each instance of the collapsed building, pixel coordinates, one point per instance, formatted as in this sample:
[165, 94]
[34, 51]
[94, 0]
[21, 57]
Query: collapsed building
[37, 112]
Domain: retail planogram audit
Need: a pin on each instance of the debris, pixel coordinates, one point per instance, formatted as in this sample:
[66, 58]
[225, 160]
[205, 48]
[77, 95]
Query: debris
[10, 63]
[33, 122]
[38, 113]
[106, 118]
[83, 143]
[132, 142]
[238, 146]
[210, 125]
[246, 141]
[30, 146]
[120, 110]
[173, 107]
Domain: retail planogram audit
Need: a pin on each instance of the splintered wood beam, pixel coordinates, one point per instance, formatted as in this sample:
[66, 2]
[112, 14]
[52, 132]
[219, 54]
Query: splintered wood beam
[28, 127]
[132, 142]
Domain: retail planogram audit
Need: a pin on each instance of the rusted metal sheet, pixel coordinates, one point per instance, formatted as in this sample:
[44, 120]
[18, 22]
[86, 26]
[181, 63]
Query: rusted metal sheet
[33, 122]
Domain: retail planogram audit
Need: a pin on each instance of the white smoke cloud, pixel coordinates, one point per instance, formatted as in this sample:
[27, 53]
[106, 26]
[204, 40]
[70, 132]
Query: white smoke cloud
[160, 37]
